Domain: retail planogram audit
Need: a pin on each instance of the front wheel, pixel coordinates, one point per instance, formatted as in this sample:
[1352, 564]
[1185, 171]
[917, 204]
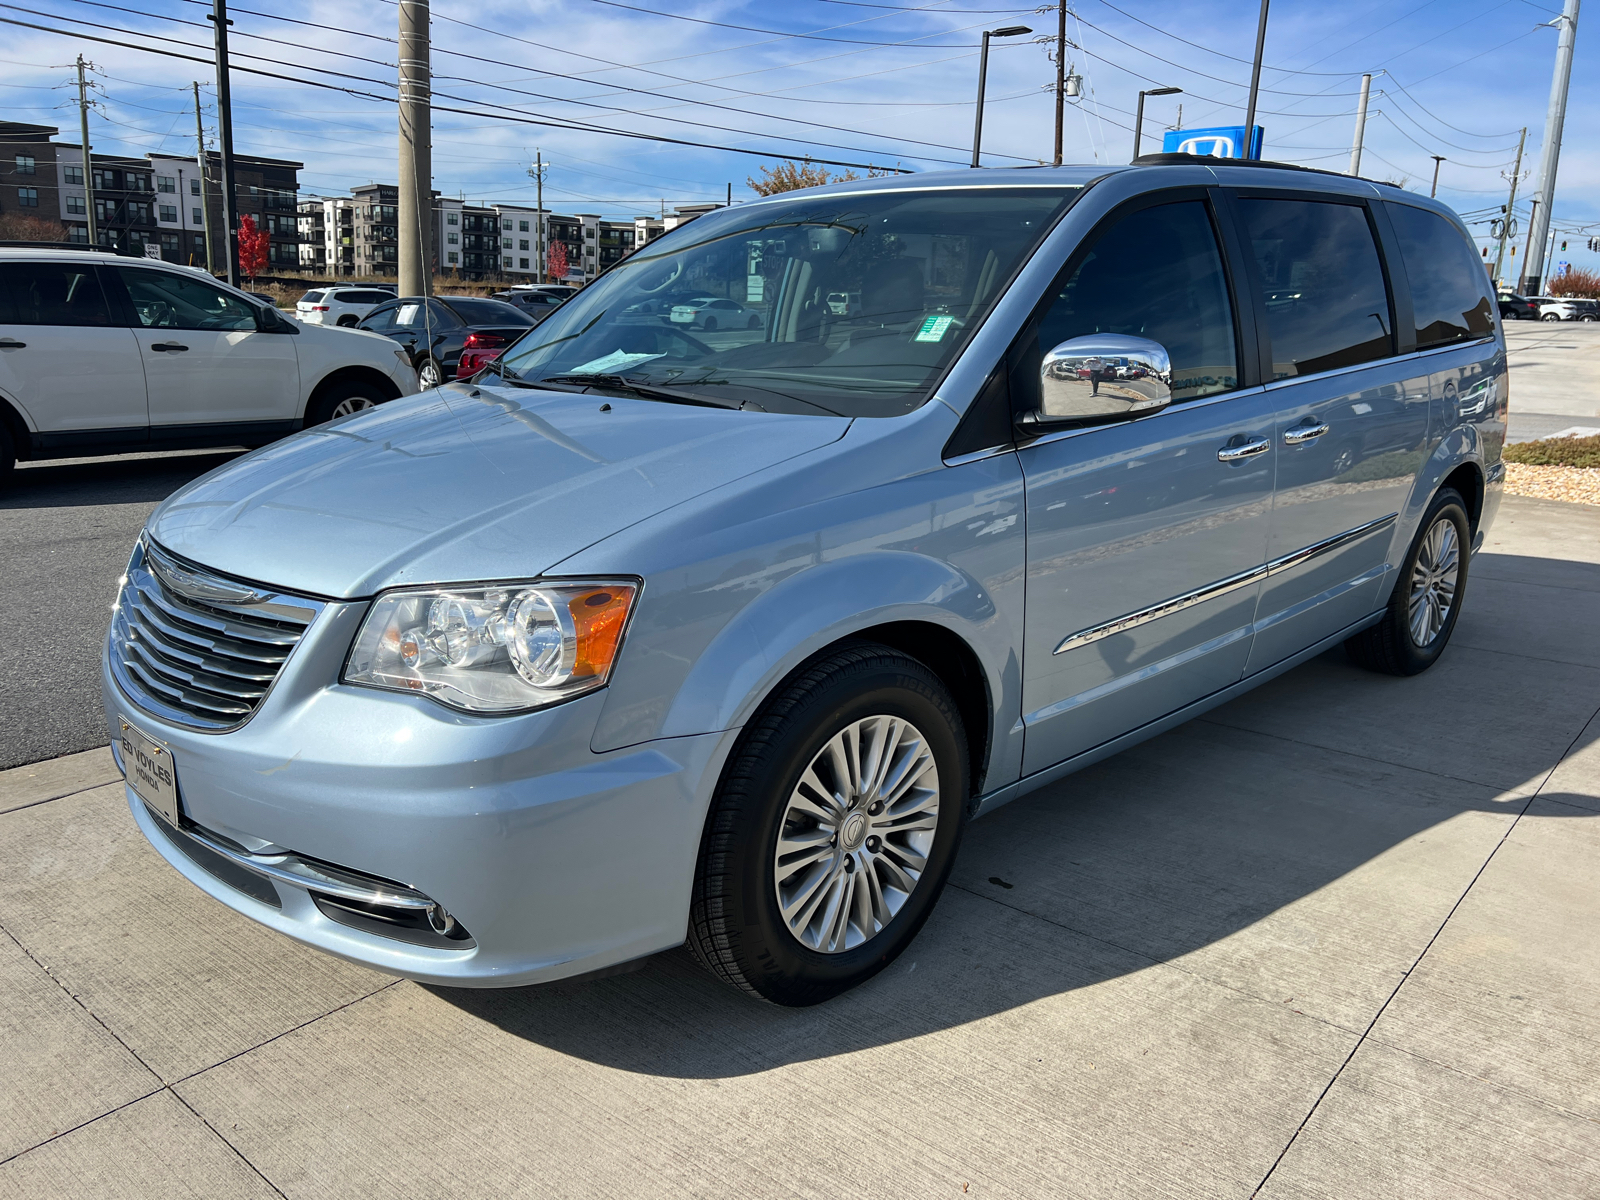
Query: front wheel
[343, 399]
[1427, 597]
[833, 829]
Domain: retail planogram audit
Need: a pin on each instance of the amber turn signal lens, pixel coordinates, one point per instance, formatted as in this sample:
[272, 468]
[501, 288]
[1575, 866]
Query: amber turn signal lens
[598, 617]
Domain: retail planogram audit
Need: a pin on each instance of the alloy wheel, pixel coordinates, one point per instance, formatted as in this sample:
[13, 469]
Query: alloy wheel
[1433, 582]
[856, 834]
[351, 404]
[428, 375]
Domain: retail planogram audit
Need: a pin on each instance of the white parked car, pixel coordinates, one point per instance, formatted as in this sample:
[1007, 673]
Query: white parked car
[106, 355]
[342, 306]
[1557, 308]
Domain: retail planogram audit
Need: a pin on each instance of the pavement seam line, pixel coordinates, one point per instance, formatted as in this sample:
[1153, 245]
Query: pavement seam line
[1460, 900]
[1153, 960]
[237, 1152]
[54, 1137]
[63, 796]
[285, 1033]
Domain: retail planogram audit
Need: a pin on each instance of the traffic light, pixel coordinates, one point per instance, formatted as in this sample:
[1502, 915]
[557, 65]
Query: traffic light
[1563, 245]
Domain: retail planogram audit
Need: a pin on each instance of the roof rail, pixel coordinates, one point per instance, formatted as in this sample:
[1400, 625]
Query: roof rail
[24, 244]
[1207, 160]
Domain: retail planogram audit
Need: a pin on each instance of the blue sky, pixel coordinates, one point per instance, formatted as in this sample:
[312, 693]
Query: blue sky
[842, 79]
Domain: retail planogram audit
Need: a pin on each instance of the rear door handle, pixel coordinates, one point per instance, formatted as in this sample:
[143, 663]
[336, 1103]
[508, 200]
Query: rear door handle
[1304, 433]
[170, 347]
[12, 344]
[1248, 449]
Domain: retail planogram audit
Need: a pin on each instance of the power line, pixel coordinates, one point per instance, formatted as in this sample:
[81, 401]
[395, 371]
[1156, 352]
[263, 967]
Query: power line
[812, 37]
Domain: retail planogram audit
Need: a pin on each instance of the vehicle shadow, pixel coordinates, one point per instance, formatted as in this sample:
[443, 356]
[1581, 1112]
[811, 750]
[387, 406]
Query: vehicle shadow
[1160, 853]
[123, 480]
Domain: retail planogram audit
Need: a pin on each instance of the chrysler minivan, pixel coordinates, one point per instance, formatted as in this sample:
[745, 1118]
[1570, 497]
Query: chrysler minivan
[650, 634]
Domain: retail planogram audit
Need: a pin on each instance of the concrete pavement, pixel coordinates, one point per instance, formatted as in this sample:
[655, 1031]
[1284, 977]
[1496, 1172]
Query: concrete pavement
[1335, 940]
[1555, 377]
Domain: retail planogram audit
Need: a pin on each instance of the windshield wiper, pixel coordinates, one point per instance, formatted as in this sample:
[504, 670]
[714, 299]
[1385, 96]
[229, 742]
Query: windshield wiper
[644, 391]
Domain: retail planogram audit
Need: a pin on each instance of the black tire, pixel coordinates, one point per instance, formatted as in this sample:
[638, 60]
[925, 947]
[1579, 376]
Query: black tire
[755, 322]
[710, 325]
[346, 322]
[354, 393]
[438, 366]
[736, 928]
[8, 456]
[1552, 316]
[1389, 646]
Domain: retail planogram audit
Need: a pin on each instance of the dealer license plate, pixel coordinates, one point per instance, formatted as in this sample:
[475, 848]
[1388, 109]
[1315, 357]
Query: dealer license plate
[150, 771]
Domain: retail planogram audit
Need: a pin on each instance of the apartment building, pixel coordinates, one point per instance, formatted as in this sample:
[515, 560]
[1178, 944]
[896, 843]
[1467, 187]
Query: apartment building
[327, 235]
[28, 183]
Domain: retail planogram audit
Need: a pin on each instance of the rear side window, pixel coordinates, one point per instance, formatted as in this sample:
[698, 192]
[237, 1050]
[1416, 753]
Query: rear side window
[488, 312]
[1327, 306]
[1157, 274]
[51, 294]
[311, 298]
[1449, 287]
[382, 318]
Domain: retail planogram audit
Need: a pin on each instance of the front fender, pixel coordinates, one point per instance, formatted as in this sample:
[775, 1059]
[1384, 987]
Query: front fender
[812, 609]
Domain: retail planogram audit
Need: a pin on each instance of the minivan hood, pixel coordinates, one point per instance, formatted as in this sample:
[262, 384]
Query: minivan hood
[465, 483]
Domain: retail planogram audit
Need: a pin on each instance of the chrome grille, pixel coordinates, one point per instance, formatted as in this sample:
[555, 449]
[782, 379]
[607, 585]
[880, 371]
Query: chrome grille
[196, 648]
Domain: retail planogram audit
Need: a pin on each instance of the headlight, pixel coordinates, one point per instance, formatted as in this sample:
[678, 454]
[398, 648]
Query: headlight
[506, 648]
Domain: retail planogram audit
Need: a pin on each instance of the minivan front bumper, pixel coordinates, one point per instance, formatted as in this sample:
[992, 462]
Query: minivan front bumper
[555, 860]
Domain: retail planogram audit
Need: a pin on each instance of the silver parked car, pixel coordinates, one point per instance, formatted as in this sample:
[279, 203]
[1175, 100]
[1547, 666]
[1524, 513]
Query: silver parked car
[633, 639]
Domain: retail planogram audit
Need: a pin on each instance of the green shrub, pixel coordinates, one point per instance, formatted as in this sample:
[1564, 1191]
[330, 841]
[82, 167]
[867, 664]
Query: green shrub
[1556, 452]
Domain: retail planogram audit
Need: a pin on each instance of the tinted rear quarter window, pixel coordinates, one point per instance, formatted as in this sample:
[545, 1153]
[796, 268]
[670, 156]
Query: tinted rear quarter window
[48, 293]
[311, 298]
[1449, 287]
[1322, 283]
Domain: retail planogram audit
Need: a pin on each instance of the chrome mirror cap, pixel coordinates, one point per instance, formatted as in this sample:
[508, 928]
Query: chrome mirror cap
[1104, 375]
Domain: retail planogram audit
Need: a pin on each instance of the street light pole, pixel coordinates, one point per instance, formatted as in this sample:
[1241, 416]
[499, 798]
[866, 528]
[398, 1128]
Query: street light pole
[1434, 190]
[983, 71]
[1255, 81]
[1550, 151]
[1138, 120]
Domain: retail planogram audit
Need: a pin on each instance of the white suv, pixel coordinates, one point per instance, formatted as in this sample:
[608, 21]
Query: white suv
[106, 355]
[342, 306]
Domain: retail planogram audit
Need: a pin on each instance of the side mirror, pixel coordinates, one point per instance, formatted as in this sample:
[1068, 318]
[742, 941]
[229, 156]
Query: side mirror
[271, 320]
[1099, 377]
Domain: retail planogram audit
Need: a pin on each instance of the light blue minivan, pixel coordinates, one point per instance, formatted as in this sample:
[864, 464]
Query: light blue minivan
[654, 633]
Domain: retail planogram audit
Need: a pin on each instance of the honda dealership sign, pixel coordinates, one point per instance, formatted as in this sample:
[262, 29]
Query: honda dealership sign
[1223, 141]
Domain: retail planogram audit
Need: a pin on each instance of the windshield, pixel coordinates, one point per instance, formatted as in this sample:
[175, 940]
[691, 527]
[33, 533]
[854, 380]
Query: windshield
[851, 304]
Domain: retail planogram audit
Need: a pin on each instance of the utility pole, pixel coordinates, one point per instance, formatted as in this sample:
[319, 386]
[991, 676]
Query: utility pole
[1511, 208]
[88, 167]
[230, 198]
[1061, 74]
[1527, 250]
[1361, 125]
[1434, 190]
[538, 183]
[416, 151]
[1550, 151]
[205, 192]
[1255, 82]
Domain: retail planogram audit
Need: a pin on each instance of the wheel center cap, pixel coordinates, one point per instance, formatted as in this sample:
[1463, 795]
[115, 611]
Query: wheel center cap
[854, 831]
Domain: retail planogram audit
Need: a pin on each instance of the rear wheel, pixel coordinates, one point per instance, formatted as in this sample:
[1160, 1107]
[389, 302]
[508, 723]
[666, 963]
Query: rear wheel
[1427, 597]
[8, 456]
[833, 828]
[430, 374]
[1552, 316]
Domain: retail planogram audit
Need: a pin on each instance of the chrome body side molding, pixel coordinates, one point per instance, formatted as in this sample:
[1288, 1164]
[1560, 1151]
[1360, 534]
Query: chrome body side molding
[1221, 587]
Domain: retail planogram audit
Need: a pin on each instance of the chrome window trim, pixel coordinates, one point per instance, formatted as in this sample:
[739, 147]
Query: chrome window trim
[1175, 407]
[1221, 587]
[1288, 380]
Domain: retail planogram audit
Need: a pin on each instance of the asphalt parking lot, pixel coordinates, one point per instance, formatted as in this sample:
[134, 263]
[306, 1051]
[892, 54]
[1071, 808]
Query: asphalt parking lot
[1336, 939]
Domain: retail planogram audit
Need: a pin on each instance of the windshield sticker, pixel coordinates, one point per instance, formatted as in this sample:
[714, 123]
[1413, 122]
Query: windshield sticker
[934, 328]
[611, 363]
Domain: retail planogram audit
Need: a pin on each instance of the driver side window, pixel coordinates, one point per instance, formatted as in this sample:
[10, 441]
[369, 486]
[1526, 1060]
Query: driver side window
[1157, 273]
[162, 300]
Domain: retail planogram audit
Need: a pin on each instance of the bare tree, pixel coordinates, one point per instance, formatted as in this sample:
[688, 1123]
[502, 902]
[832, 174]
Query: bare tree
[26, 227]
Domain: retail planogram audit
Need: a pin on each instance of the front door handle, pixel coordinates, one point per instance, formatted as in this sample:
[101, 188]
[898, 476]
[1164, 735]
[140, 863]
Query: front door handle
[170, 347]
[1301, 434]
[12, 344]
[1247, 449]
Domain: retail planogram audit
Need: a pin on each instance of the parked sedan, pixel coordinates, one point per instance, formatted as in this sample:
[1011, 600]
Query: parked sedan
[537, 305]
[343, 306]
[435, 331]
[1517, 308]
